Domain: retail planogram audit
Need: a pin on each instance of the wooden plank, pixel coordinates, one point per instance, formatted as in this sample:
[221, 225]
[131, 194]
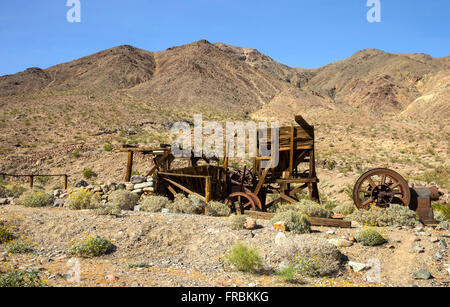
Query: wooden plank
[184, 189]
[291, 153]
[182, 175]
[315, 221]
[158, 164]
[208, 190]
[297, 180]
[65, 182]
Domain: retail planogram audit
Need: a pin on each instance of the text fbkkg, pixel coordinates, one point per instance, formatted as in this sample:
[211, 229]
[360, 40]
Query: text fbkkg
[238, 139]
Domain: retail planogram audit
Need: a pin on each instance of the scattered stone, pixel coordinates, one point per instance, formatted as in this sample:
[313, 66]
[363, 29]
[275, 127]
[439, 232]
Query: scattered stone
[434, 240]
[416, 239]
[357, 267]
[129, 186]
[59, 203]
[419, 249]
[82, 184]
[121, 186]
[448, 269]
[443, 244]
[250, 224]
[340, 242]
[97, 189]
[438, 257]
[142, 186]
[137, 208]
[355, 224]
[165, 210]
[149, 190]
[331, 232]
[3, 201]
[280, 226]
[422, 274]
[352, 239]
[252, 285]
[138, 179]
[138, 191]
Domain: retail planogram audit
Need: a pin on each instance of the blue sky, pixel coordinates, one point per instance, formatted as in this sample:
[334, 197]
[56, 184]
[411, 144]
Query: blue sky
[301, 33]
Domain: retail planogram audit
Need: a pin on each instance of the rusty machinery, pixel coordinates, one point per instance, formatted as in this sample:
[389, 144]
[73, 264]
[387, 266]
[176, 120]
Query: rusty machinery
[382, 187]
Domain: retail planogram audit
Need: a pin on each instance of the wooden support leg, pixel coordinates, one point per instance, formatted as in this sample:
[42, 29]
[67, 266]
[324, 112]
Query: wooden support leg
[65, 182]
[31, 181]
[129, 167]
[208, 190]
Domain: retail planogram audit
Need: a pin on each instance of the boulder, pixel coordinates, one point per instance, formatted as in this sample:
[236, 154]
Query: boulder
[138, 191]
[250, 224]
[143, 185]
[340, 242]
[3, 201]
[357, 267]
[422, 274]
[129, 187]
[280, 226]
[81, 184]
[280, 239]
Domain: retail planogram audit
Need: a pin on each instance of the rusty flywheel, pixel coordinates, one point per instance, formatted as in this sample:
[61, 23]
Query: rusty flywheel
[381, 187]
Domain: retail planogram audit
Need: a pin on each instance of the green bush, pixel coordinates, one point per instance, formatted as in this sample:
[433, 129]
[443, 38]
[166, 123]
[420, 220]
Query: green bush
[21, 279]
[126, 200]
[394, 215]
[215, 208]
[345, 209]
[321, 260]
[18, 246]
[244, 258]
[154, 203]
[33, 199]
[188, 205]
[108, 209]
[108, 147]
[88, 173]
[83, 199]
[295, 222]
[12, 190]
[91, 246]
[237, 222]
[370, 237]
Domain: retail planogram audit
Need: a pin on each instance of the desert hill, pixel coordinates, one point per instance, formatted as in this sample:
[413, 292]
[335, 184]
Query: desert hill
[371, 109]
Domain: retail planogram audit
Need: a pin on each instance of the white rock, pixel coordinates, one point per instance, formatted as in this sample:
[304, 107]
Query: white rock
[357, 267]
[340, 242]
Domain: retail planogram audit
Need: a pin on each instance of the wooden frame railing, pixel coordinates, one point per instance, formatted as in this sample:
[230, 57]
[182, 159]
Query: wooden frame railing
[31, 178]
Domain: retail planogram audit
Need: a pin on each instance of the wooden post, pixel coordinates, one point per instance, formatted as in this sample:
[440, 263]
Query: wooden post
[65, 182]
[129, 166]
[208, 190]
[31, 181]
[291, 152]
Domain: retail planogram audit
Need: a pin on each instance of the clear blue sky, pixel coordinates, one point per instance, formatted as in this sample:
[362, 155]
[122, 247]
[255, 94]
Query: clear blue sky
[302, 33]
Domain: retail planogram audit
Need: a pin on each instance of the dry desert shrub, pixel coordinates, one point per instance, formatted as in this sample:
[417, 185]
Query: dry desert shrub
[237, 222]
[345, 209]
[188, 205]
[294, 221]
[154, 203]
[82, 199]
[370, 237]
[394, 215]
[125, 200]
[35, 199]
[307, 207]
[244, 258]
[90, 246]
[215, 208]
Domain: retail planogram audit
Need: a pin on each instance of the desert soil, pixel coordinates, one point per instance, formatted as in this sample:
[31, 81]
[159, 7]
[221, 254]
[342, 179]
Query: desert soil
[187, 250]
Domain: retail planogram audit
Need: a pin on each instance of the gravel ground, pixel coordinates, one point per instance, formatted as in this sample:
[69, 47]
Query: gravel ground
[187, 250]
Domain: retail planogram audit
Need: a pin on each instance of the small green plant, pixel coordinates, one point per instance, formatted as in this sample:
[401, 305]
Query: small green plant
[154, 203]
[83, 199]
[237, 222]
[244, 258]
[370, 237]
[89, 173]
[12, 190]
[295, 222]
[21, 279]
[90, 246]
[125, 200]
[18, 246]
[215, 208]
[140, 265]
[36, 199]
[443, 211]
[108, 147]
[76, 154]
[288, 274]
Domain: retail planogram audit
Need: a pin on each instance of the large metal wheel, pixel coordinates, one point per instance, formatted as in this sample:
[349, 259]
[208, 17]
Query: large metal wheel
[381, 187]
[241, 201]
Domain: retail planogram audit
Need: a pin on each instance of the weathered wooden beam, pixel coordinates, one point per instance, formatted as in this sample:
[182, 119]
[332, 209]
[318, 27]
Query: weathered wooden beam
[185, 189]
[315, 221]
[159, 163]
[208, 189]
[129, 166]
